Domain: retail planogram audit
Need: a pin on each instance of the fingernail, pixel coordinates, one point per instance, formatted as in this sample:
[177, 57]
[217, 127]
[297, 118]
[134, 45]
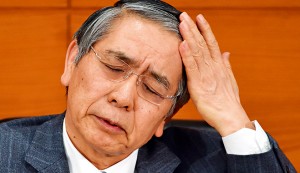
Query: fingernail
[227, 54]
[184, 15]
[201, 18]
[181, 16]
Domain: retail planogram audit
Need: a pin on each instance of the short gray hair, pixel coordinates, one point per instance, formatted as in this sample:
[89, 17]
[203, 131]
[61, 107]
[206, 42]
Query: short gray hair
[100, 22]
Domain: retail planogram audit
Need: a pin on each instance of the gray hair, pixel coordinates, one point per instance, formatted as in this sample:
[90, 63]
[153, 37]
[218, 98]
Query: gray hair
[98, 25]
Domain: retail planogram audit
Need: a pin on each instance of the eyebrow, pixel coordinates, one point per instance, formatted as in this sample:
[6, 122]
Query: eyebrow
[122, 56]
[130, 61]
[160, 78]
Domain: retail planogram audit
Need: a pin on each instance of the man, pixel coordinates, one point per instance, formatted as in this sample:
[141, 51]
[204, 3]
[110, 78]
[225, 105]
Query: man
[127, 72]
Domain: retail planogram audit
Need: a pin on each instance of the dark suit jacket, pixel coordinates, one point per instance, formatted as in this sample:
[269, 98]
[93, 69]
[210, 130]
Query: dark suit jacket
[36, 145]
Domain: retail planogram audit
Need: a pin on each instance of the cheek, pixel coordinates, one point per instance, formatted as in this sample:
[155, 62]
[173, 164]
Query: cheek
[85, 89]
[148, 118]
[146, 130]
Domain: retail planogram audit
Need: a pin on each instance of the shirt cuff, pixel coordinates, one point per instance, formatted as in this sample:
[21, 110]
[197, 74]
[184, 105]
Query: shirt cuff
[247, 141]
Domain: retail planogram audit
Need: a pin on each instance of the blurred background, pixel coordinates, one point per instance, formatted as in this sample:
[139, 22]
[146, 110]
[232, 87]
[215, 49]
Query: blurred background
[263, 38]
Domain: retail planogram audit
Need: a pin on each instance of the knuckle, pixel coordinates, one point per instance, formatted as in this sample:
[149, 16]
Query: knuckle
[201, 43]
[213, 43]
[192, 67]
[197, 53]
[228, 67]
[206, 26]
[194, 28]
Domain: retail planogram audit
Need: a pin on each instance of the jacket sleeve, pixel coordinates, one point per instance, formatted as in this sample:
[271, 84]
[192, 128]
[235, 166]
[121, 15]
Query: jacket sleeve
[273, 161]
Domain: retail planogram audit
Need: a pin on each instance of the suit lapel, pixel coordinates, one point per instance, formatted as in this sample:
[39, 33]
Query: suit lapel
[156, 157]
[47, 153]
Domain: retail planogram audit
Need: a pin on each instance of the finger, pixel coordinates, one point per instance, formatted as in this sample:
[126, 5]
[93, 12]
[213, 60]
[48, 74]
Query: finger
[195, 46]
[195, 51]
[194, 30]
[209, 37]
[225, 57]
[191, 34]
[187, 58]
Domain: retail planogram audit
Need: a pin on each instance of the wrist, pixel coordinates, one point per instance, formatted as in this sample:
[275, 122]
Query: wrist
[250, 125]
[234, 124]
[232, 129]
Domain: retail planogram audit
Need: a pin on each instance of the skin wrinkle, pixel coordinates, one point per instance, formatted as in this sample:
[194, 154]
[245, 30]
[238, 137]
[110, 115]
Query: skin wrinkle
[123, 57]
[166, 22]
[136, 128]
[135, 64]
[159, 77]
[111, 96]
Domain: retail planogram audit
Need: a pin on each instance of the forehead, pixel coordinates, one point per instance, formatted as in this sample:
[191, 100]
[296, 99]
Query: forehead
[147, 43]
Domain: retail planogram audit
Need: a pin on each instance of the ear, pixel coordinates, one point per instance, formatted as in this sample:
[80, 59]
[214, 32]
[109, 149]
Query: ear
[160, 130]
[69, 63]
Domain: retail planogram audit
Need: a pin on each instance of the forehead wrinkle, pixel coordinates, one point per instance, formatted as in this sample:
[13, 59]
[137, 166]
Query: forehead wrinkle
[134, 63]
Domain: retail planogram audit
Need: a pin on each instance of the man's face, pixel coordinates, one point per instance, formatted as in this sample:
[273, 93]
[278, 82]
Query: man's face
[110, 118]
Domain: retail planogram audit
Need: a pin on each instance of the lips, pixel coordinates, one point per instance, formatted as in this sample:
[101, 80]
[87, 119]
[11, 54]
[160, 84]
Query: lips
[110, 125]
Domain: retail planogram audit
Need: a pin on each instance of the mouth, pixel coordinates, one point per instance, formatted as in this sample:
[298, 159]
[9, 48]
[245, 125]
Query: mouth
[110, 126]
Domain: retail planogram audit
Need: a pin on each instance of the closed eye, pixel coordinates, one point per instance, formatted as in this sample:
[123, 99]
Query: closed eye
[114, 68]
[150, 90]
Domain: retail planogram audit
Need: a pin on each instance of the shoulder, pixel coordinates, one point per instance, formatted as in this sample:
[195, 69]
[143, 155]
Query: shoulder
[23, 126]
[17, 134]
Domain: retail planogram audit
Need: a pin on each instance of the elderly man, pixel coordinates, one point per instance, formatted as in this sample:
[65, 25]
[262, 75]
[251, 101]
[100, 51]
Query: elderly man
[130, 68]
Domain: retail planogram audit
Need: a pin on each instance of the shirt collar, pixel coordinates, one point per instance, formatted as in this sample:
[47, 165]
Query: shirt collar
[79, 164]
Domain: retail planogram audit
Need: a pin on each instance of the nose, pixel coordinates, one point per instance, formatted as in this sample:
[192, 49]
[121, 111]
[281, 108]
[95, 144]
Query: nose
[124, 93]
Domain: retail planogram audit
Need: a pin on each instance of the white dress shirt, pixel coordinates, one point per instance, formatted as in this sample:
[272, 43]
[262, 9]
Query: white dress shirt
[247, 141]
[243, 142]
[79, 164]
